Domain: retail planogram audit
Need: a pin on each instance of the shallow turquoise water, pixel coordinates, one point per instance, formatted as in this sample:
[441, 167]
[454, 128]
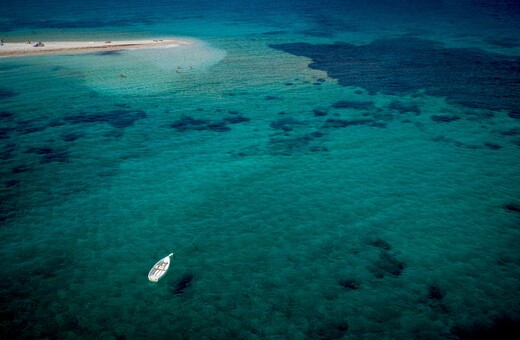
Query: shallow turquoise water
[299, 207]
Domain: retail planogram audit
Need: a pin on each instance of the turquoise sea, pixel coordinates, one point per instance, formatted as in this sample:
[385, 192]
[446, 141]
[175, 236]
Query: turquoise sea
[322, 170]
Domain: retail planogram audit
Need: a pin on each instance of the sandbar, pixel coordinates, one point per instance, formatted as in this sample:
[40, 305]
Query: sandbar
[74, 47]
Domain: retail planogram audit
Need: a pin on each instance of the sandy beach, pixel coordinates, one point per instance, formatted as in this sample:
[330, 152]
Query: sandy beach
[69, 47]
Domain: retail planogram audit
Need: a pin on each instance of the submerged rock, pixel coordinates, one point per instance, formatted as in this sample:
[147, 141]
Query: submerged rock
[50, 155]
[435, 293]
[285, 124]
[351, 104]
[388, 264]
[187, 123]
[319, 113]
[117, 118]
[404, 108]
[5, 93]
[444, 119]
[349, 284]
[342, 123]
[330, 330]
[5, 114]
[236, 119]
[514, 114]
[218, 126]
[70, 137]
[492, 146]
[511, 132]
[11, 183]
[514, 207]
[20, 168]
[379, 243]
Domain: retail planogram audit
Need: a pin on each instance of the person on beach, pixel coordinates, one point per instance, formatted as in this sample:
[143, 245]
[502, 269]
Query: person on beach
[2, 42]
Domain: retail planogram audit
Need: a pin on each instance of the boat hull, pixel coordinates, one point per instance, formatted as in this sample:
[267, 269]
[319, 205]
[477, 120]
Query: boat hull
[159, 269]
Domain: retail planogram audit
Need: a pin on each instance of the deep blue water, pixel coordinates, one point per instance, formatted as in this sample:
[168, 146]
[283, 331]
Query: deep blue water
[323, 170]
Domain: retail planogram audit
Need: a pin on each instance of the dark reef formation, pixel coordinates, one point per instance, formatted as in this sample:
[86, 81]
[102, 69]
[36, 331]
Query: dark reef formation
[466, 76]
[187, 123]
[50, 155]
[388, 261]
[350, 104]
[116, 118]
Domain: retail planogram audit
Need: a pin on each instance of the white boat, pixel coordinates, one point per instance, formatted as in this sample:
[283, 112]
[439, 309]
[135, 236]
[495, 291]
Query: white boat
[159, 269]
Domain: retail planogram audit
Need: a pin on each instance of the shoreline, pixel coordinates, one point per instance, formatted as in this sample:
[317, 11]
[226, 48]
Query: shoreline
[77, 47]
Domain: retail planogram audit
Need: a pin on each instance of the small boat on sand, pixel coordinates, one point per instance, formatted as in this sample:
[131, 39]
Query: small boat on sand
[159, 269]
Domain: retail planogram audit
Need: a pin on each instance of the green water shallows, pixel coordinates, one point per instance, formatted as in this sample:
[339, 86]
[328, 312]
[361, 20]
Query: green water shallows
[310, 218]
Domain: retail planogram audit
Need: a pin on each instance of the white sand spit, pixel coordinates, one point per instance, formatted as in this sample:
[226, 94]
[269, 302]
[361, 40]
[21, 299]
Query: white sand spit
[73, 47]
